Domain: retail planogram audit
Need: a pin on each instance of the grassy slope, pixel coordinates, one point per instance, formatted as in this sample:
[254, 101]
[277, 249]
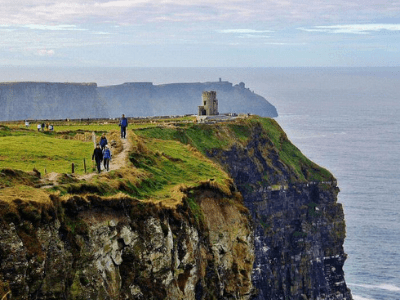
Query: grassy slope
[167, 159]
[206, 138]
[27, 149]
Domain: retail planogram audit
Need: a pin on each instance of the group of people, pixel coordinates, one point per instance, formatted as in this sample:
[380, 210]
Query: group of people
[102, 152]
[41, 127]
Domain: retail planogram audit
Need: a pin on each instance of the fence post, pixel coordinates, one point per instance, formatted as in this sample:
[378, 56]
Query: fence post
[73, 168]
[94, 139]
[84, 164]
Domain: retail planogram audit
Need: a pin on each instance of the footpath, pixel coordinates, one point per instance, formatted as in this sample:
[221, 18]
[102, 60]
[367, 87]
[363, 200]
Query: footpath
[117, 161]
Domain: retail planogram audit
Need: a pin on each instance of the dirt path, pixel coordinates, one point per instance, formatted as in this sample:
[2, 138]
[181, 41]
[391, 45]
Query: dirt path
[117, 161]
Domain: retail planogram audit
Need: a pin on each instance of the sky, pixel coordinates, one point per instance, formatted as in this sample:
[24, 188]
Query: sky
[194, 33]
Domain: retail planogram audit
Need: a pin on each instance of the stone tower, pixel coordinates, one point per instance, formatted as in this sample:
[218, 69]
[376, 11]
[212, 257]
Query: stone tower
[210, 104]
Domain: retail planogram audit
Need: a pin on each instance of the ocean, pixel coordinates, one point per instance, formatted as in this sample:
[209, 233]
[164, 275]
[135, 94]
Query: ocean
[344, 119]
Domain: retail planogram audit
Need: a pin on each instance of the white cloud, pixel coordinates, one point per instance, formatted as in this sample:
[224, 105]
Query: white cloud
[101, 33]
[138, 11]
[53, 27]
[353, 28]
[255, 36]
[44, 52]
[284, 44]
[250, 31]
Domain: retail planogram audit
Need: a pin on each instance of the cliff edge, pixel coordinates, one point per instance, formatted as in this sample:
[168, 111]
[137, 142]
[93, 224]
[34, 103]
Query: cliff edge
[223, 211]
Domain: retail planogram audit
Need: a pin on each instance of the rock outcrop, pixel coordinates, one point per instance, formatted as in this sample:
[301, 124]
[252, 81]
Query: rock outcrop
[119, 249]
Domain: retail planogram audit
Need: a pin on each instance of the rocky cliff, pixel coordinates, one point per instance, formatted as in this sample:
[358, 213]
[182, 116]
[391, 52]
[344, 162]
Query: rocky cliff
[89, 248]
[175, 225]
[45, 100]
[146, 99]
[299, 227]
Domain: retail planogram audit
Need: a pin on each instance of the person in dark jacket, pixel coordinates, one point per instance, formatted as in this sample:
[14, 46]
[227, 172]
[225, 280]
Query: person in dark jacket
[106, 158]
[103, 142]
[98, 156]
[123, 123]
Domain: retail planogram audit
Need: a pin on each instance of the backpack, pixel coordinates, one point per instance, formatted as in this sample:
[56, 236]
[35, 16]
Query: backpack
[107, 153]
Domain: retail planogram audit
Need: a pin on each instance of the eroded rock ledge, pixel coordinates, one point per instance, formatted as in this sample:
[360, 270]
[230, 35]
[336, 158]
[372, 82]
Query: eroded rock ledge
[91, 248]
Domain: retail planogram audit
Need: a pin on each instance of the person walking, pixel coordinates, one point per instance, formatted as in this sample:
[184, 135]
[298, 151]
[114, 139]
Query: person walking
[98, 156]
[123, 123]
[106, 158]
[103, 141]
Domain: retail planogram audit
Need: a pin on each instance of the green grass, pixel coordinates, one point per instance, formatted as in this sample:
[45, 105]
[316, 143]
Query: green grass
[222, 136]
[202, 137]
[170, 164]
[25, 152]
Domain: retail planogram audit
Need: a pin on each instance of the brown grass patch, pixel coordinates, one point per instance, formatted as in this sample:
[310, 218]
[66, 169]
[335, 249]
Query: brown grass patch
[25, 193]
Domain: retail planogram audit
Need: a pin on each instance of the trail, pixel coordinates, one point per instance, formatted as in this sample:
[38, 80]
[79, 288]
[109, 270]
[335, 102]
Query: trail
[117, 161]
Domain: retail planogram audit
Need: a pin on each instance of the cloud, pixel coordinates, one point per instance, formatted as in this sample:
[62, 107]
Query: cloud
[353, 28]
[254, 36]
[138, 11]
[53, 27]
[249, 31]
[44, 52]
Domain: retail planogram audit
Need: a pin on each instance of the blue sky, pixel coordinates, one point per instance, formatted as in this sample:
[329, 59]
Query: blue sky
[194, 33]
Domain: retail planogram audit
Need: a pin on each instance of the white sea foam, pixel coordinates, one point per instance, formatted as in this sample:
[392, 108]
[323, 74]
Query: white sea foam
[355, 297]
[387, 287]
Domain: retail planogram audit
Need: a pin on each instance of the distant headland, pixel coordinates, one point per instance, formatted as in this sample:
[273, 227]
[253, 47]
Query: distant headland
[53, 100]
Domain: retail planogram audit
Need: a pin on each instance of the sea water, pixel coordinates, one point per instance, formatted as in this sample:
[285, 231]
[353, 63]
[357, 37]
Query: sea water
[345, 119]
[348, 120]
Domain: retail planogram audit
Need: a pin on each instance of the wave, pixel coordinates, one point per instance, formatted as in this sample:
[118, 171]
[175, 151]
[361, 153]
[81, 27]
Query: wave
[355, 297]
[384, 286]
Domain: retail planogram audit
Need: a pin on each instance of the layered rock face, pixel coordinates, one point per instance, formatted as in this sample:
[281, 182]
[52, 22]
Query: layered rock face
[44, 100]
[119, 249]
[299, 227]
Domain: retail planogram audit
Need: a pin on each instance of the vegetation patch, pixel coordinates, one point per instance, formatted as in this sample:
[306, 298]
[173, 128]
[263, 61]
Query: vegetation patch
[26, 152]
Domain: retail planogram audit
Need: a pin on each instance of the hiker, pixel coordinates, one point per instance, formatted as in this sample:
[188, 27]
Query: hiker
[47, 126]
[98, 156]
[26, 124]
[103, 141]
[51, 127]
[107, 157]
[39, 127]
[42, 126]
[123, 123]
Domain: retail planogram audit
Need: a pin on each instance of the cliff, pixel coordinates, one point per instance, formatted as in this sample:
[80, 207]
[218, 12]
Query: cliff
[223, 211]
[45, 100]
[146, 99]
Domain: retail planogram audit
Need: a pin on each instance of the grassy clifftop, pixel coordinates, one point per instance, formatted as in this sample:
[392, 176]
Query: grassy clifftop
[167, 158]
[209, 138]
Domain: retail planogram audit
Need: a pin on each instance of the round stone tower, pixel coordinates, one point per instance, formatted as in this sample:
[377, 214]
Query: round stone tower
[210, 104]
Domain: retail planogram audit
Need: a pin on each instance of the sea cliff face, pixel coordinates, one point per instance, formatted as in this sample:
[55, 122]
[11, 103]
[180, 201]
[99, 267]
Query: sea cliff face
[119, 249]
[299, 227]
[274, 231]
[146, 99]
[45, 100]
